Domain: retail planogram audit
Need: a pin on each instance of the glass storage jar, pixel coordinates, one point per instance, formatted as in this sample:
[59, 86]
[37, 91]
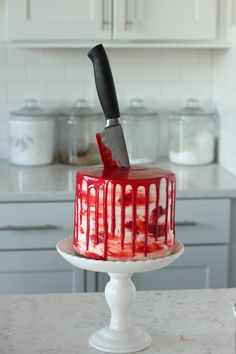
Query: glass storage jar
[77, 135]
[140, 127]
[192, 135]
[31, 135]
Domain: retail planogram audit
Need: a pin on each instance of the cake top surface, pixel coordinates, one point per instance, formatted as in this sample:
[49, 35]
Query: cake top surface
[121, 174]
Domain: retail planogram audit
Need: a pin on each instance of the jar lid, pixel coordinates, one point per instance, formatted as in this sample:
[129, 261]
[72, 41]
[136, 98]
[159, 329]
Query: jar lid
[137, 108]
[81, 109]
[193, 108]
[31, 109]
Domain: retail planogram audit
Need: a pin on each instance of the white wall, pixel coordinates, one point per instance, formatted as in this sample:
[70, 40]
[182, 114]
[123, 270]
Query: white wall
[163, 78]
[224, 93]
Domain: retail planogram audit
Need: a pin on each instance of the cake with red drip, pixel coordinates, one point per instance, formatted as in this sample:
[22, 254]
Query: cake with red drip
[124, 213]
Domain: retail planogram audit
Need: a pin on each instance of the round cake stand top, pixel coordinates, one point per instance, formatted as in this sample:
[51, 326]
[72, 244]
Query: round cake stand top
[119, 336]
[65, 249]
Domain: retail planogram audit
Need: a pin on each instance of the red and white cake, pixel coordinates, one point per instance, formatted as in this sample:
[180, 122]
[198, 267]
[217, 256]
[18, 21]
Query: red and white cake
[124, 213]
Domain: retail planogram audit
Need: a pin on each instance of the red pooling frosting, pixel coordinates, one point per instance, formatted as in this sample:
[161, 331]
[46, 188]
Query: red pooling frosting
[104, 183]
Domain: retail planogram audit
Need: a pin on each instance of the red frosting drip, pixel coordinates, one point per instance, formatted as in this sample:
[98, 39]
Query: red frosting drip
[96, 214]
[167, 210]
[88, 219]
[134, 209]
[113, 208]
[105, 219]
[76, 215]
[122, 216]
[146, 219]
[135, 177]
[157, 206]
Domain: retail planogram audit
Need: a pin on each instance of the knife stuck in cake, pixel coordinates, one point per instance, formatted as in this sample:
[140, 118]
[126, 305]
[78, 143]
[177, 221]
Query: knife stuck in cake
[121, 213]
[111, 140]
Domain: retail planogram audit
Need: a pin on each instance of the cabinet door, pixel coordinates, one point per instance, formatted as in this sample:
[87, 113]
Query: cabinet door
[28, 272]
[58, 20]
[34, 225]
[198, 268]
[201, 221]
[165, 19]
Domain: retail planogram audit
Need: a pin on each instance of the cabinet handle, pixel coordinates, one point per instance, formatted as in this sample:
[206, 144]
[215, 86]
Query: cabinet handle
[186, 223]
[130, 14]
[105, 9]
[28, 227]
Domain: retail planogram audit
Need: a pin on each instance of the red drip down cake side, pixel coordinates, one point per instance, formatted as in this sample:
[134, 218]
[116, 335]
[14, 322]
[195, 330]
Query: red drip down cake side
[124, 214]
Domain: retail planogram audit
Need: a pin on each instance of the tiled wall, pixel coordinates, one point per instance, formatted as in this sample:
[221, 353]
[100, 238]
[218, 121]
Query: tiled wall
[224, 92]
[163, 78]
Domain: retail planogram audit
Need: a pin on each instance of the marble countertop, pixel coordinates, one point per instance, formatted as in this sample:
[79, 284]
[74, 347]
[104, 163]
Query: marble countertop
[56, 182]
[180, 322]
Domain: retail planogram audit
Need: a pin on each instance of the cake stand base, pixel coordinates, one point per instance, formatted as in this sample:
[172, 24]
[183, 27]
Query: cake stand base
[120, 336]
[127, 341]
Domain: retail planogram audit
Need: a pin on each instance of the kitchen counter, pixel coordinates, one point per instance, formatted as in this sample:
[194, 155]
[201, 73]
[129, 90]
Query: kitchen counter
[189, 321]
[56, 182]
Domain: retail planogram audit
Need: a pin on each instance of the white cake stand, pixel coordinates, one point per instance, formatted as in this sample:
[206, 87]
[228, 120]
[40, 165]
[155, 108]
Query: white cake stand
[120, 336]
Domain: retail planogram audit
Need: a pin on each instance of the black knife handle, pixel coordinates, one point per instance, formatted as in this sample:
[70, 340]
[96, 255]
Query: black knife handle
[104, 82]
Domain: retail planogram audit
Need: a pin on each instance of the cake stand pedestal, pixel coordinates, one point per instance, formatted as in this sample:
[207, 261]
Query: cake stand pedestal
[119, 336]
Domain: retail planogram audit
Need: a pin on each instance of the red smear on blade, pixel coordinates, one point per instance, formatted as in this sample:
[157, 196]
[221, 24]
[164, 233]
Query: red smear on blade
[106, 153]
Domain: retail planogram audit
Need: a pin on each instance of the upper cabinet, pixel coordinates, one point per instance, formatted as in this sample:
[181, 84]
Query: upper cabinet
[119, 22]
[165, 20]
[54, 20]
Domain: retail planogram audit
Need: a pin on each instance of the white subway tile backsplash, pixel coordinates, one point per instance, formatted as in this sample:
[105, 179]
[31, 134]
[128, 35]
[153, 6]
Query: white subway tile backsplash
[147, 92]
[161, 73]
[5, 109]
[161, 77]
[128, 73]
[67, 91]
[22, 91]
[182, 91]
[78, 73]
[206, 56]
[196, 73]
[3, 149]
[4, 139]
[134, 56]
[18, 55]
[45, 73]
[12, 73]
[3, 55]
[3, 92]
[226, 59]
[179, 56]
[63, 56]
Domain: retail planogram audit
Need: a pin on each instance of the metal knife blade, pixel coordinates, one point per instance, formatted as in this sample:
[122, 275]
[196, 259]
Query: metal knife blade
[111, 141]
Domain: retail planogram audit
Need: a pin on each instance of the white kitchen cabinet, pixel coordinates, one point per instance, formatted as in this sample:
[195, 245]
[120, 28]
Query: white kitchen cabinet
[30, 231]
[203, 221]
[29, 262]
[203, 225]
[38, 271]
[118, 21]
[58, 20]
[198, 268]
[165, 19]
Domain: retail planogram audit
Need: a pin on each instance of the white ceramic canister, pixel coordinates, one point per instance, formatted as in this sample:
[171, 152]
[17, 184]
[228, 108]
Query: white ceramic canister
[140, 126]
[31, 135]
[77, 135]
[192, 135]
